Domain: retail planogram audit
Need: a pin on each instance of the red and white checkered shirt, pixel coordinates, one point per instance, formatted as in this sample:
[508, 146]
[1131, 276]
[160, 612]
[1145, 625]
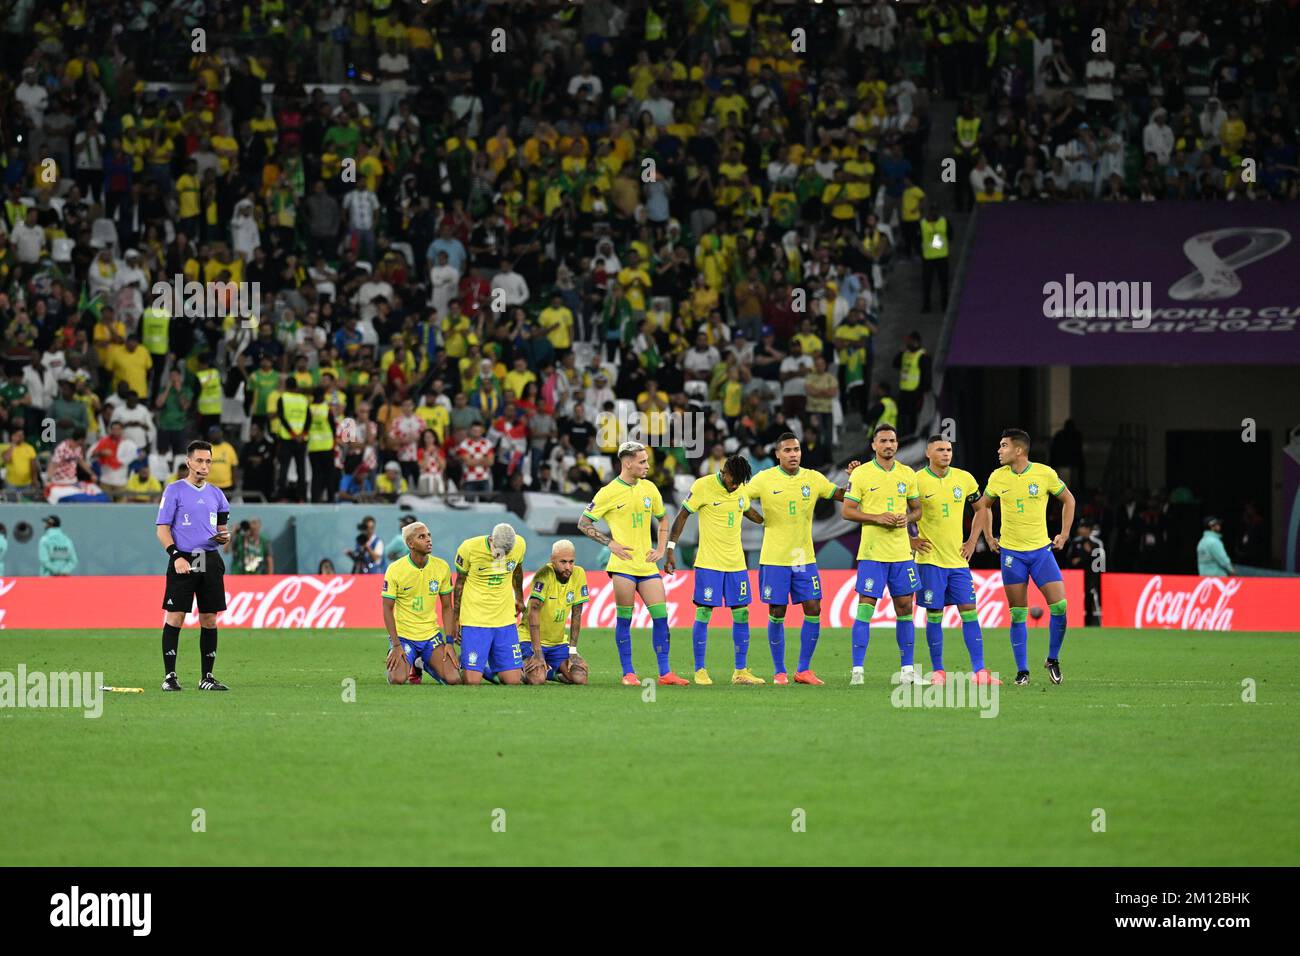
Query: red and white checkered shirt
[475, 448]
[63, 464]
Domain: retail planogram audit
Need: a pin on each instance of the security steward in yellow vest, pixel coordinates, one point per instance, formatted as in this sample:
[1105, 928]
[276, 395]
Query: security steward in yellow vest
[209, 403]
[320, 447]
[936, 239]
[914, 367]
[291, 417]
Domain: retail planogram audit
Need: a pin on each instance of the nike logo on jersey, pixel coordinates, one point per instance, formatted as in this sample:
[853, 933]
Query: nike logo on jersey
[776, 492]
[620, 506]
[877, 488]
[929, 496]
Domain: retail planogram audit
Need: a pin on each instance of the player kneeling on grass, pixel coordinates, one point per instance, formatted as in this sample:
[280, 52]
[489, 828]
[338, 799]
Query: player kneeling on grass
[488, 599]
[414, 586]
[722, 504]
[559, 590]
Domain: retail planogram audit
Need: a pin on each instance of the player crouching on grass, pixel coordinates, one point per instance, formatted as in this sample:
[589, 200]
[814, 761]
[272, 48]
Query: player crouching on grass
[559, 590]
[722, 504]
[1023, 488]
[414, 586]
[487, 602]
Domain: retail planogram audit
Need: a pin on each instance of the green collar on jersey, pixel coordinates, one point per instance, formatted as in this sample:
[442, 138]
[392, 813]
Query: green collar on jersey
[877, 464]
[940, 477]
[1028, 465]
[619, 479]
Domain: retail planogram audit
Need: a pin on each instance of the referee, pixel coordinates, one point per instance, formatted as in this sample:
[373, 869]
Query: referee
[192, 525]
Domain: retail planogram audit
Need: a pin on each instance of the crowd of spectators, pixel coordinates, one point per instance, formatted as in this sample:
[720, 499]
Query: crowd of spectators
[461, 234]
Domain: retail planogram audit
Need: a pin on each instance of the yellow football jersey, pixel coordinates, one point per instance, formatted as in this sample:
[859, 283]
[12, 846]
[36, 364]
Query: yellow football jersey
[880, 491]
[414, 592]
[1024, 504]
[787, 501]
[628, 510]
[720, 512]
[943, 504]
[557, 599]
[489, 596]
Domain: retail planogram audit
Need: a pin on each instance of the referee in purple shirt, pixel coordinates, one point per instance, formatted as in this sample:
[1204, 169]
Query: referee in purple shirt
[192, 525]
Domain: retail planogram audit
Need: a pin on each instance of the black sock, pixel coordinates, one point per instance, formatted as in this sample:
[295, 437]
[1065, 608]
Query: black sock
[208, 648]
[171, 640]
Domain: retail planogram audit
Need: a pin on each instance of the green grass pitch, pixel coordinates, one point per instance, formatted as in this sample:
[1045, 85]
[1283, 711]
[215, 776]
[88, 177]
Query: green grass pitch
[1149, 727]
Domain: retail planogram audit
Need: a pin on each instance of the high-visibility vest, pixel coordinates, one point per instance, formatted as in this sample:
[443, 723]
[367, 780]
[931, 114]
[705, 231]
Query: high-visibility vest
[655, 28]
[909, 371]
[978, 16]
[320, 437]
[968, 130]
[888, 414]
[934, 238]
[154, 325]
[294, 405]
[209, 391]
[273, 413]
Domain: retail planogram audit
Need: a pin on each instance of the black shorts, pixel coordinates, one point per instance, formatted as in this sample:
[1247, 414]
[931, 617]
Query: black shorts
[208, 585]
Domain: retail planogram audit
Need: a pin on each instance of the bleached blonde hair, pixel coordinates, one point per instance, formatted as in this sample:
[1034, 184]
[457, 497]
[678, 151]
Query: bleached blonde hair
[411, 530]
[564, 544]
[630, 448]
[503, 540]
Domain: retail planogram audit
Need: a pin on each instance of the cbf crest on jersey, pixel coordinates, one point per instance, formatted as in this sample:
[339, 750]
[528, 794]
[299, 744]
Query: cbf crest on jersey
[433, 587]
[646, 501]
[708, 594]
[902, 487]
[805, 490]
[1033, 488]
[568, 596]
[510, 565]
[956, 493]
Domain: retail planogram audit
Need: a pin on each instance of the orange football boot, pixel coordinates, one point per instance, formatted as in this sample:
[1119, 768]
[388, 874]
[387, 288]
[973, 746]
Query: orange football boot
[807, 677]
[631, 680]
[672, 680]
[938, 677]
[781, 680]
[984, 677]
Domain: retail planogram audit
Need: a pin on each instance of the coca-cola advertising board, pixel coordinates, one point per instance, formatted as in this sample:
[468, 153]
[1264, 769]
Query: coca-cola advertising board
[1187, 602]
[353, 600]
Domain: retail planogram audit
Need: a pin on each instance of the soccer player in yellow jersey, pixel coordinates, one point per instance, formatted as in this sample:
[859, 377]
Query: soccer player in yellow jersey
[1022, 487]
[787, 565]
[559, 590]
[413, 589]
[488, 569]
[942, 556]
[628, 504]
[882, 497]
[721, 501]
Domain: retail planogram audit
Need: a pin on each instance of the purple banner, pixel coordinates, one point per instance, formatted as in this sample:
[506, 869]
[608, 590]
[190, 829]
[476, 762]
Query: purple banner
[1131, 284]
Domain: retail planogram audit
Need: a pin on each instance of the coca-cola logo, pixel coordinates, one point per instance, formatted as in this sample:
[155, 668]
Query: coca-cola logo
[602, 609]
[293, 601]
[1201, 607]
[990, 604]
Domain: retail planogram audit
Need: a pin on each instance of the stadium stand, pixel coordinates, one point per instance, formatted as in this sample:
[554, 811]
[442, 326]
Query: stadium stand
[636, 187]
